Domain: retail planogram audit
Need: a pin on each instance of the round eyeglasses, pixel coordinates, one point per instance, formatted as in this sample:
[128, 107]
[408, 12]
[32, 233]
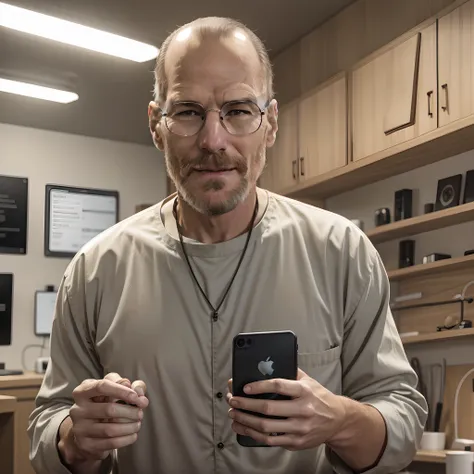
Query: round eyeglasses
[239, 117]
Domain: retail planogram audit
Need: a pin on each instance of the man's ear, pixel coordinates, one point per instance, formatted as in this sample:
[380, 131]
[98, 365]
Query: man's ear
[154, 115]
[272, 117]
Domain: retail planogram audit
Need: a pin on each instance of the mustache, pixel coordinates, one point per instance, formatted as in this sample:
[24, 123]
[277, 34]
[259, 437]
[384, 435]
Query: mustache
[214, 162]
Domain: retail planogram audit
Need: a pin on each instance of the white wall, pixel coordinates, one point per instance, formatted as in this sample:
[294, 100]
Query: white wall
[136, 171]
[362, 203]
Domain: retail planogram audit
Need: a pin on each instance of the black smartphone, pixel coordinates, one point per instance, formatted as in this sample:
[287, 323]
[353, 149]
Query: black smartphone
[261, 356]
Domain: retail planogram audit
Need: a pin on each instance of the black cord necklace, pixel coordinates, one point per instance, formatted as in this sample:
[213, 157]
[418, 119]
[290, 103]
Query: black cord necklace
[215, 311]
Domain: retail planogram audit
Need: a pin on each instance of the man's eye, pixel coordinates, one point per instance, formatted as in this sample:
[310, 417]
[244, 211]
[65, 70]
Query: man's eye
[187, 113]
[237, 112]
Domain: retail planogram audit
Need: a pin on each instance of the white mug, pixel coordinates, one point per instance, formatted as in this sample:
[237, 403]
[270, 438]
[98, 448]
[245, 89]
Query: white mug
[459, 462]
[433, 441]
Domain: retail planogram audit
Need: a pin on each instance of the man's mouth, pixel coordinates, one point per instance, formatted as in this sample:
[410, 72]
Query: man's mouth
[213, 170]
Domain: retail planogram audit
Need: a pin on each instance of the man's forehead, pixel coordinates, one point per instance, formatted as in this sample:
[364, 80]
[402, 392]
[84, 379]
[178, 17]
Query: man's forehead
[213, 63]
[218, 97]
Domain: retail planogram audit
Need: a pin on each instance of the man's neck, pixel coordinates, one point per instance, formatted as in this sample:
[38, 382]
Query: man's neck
[214, 229]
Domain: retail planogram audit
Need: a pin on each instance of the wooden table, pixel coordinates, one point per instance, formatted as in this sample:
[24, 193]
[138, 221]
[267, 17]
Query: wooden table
[8, 407]
[24, 389]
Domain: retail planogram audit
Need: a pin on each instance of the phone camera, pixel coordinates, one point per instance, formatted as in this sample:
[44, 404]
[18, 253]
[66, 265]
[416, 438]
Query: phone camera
[240, 342]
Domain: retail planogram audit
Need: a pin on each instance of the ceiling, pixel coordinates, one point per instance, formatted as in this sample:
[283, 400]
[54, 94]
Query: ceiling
[114, 93]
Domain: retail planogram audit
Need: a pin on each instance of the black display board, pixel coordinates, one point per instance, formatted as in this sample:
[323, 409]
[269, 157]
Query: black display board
[13, 214]
[6, 302]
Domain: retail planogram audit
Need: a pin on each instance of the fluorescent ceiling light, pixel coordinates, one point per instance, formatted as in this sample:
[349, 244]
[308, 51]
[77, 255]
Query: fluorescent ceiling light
[72, 33]
[38, 92]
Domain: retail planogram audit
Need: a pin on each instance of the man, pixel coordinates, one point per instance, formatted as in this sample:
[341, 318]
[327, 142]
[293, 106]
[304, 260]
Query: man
[147, 311]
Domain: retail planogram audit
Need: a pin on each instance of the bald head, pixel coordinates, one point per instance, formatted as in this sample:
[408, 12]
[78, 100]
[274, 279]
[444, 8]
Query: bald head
[201, 38]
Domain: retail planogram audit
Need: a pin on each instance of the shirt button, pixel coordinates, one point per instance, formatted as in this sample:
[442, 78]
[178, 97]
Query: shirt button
[220, 445]
[219, 395]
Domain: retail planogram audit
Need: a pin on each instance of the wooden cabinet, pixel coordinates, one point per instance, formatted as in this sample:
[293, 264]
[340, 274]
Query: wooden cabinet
[7, 433]
[394, 94]
[311, 138]
[409, 104]
[25, 389]
[323, 129]
[456, 64]
[410, 88]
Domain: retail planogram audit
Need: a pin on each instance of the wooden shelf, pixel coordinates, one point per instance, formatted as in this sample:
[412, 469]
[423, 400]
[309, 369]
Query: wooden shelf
[26, 380]
[444, 142]
[432, 268]
[7, 404]
[438, 457]
[438, 336]
[425, 223]
[430, 456]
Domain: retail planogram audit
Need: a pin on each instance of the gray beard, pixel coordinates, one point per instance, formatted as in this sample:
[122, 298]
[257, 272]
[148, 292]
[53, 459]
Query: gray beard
[238, 196]
[218, 208]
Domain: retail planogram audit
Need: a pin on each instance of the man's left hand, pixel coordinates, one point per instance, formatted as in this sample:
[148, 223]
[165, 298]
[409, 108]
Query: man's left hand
[312, 416]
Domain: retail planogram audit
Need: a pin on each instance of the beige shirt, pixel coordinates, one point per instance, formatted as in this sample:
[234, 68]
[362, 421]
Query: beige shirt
[128, 304]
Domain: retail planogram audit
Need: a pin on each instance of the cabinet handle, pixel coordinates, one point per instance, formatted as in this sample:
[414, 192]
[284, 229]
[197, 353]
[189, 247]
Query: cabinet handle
[295, 163]
[445, 88]
[430, 95]
[302, 166]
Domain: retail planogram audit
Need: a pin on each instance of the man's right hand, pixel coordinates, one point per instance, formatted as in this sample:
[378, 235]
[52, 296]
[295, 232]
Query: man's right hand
[97, 424]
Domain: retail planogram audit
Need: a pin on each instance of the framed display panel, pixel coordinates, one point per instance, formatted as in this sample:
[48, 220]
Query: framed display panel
[13, 214]
[45, 303]
[74, 216]
[6, 303]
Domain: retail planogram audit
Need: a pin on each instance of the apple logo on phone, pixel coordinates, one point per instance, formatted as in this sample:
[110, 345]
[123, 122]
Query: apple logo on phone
[265, 367]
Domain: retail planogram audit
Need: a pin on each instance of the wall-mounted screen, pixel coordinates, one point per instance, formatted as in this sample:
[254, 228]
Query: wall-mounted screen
[73, 216]
[13, 214]
[6, 302]
[45, 302]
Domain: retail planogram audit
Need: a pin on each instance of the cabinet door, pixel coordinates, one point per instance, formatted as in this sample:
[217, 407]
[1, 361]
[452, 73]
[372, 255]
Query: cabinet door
[456, 64]
[285, 150]
[323, 129]
[394, 95]
[22, 443]
[25, 405]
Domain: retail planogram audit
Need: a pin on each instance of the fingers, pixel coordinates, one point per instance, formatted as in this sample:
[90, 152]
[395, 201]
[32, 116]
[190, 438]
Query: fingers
[107, 414]
[114, 377]
[96, 446]
[94, 437]
[103, 388]
[301, 374]
[286, 441]
[263, 425]
[229, 393]
[109, 411]
[281, 408]
[290, 388]
[140, 387]
[106, 430]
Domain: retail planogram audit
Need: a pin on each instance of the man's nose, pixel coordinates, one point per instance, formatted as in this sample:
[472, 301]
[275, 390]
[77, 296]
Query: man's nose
[213, 137]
